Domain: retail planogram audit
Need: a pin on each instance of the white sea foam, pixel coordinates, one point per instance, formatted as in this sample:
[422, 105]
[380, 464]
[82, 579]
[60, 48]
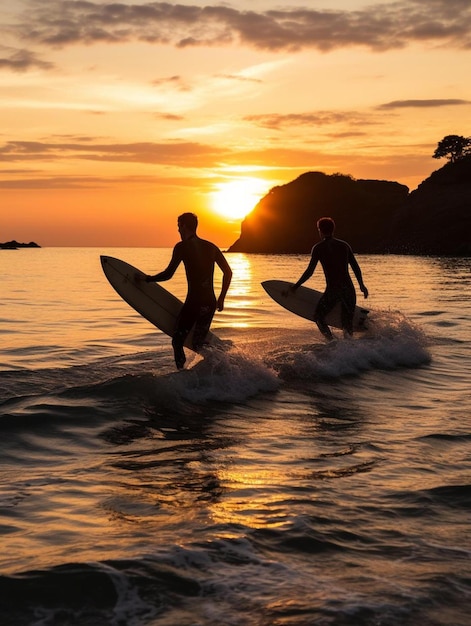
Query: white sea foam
[226, 376]
[390, 342]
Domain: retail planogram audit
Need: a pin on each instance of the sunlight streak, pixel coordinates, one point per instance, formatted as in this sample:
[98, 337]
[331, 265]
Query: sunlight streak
[237, 198]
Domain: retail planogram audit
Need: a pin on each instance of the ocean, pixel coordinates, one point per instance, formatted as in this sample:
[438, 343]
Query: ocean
[282, 482]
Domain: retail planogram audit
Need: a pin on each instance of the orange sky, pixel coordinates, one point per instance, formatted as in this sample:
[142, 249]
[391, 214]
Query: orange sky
[117, 117]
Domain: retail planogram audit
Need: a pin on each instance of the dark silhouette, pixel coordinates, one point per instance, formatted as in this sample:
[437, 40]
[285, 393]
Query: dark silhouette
[335, 256]
[454, 147]
[278, 222]
[435, 219]
[380, 217]
[199, 257]
[14, 245]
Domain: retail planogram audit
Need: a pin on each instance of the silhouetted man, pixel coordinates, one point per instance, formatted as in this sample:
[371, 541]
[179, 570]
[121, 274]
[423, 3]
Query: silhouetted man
[198, 257]
[335, 256]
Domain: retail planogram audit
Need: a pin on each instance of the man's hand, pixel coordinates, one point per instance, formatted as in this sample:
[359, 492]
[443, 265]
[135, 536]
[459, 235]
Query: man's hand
[364, 290]
[139, 276]
[221, 303]
[291, 289]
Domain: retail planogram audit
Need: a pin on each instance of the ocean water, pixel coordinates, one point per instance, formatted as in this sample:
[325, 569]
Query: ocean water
[282, 482]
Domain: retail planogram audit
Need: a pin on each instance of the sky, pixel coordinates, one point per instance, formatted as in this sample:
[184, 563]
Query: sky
[119, 116]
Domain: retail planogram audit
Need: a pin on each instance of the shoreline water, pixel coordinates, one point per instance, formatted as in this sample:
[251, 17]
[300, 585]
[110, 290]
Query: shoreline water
[280, 482]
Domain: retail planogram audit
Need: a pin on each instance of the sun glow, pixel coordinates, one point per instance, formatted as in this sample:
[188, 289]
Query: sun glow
[236, 198]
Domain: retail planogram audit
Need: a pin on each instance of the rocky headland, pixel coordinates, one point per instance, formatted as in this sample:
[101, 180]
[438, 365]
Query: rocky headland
[14, 245]
[374, 216]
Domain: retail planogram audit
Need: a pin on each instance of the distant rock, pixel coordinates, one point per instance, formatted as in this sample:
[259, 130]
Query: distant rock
[375, 217]
[14, 245]
[284, 221]
[436, 217]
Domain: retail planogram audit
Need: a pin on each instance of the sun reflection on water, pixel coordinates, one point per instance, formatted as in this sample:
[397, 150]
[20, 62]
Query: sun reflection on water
[241, 289]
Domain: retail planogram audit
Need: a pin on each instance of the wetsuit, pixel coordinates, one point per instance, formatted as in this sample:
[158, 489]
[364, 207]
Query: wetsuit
[335, 256]
[199, 257]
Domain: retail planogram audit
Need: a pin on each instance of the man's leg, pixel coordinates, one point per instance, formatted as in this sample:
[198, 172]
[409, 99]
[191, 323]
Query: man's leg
[183, 326]
[348, 303]
[326, 303]
[202, 324]
[178, 340]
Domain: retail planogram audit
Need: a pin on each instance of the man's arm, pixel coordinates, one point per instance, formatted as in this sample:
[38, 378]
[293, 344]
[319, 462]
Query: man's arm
[226, 278]
[167, 273]
[308, 272]
[357, 271]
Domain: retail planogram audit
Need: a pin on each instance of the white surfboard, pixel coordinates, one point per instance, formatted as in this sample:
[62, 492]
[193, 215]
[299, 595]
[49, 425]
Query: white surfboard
[303, 302]
[151, 300]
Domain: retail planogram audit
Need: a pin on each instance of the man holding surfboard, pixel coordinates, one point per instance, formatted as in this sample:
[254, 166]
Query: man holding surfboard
[199, 257]
[335, 256]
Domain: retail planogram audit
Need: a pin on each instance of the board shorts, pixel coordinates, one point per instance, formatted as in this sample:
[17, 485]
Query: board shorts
[329, 299]
[194, 315]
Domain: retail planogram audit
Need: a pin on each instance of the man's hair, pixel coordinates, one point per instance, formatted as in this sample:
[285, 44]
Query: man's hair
[189, 220]
[326, 225]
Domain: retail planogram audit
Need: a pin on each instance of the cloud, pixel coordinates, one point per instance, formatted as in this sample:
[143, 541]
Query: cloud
[173, 81]
[239, 78]
[379, 27]
[38, 154]
[169, 117]
[37, 179]
[284, 164]
[177, 154]
[54, 182]
[276, 121]
[423, 104]
[21, 60]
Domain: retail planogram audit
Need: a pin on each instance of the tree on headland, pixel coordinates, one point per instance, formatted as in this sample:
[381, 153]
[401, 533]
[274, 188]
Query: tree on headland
[454, 147]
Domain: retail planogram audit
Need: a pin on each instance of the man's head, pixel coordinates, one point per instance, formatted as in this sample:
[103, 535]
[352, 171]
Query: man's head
[187, 224]
[326, 226]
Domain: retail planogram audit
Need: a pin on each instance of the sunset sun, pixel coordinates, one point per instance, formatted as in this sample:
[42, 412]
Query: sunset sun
[235, 199]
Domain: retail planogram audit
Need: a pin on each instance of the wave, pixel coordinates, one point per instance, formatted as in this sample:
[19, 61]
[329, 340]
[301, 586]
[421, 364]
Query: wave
[452, 496]
[391, 342]
[175, 585]
[115, 390]
[116, 386]
[285, 575]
